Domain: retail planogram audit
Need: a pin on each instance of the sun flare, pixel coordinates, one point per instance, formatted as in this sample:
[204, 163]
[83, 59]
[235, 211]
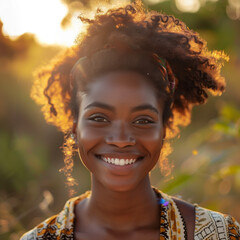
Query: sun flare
[41, 18]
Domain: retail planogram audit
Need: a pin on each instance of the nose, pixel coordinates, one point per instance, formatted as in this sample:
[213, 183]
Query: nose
[120, 135]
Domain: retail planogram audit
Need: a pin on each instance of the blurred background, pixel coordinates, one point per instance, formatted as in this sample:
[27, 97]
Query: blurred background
[206, 154]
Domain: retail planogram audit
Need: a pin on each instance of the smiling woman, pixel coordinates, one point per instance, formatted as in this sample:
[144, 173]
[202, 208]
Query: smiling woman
[124, 133]
[117, 95]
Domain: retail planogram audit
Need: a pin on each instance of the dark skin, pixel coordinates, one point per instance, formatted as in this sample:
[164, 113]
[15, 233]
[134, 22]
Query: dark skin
[120, 117]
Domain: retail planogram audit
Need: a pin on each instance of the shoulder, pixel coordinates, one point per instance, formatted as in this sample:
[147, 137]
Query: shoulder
[210, 223]
[187, 211]
[202, 223]
[31, 235]
[42, 229]
[57, 225]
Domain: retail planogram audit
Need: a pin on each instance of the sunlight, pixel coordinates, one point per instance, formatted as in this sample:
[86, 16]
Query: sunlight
[41, 18]
[188, 5]
[155, 1]
[233, 9]
[191, 5]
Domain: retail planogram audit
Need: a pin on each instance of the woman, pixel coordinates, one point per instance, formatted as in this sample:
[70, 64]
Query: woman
[117, 95]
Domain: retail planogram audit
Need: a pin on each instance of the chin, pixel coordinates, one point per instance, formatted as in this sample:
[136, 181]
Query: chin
[125, 185]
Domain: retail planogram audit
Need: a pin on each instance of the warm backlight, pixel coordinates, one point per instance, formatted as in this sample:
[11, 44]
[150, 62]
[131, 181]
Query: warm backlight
[39, 17]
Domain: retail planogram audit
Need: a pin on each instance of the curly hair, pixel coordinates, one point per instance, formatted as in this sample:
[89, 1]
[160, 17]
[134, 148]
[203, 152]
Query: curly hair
[127, 38]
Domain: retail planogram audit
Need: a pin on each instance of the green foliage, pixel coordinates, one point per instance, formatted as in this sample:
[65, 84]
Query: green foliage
[22, 159]
[229, 122]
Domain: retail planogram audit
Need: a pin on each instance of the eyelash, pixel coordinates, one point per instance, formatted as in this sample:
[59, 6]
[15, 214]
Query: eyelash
[95, 117]
[145, 120]
[102, 119]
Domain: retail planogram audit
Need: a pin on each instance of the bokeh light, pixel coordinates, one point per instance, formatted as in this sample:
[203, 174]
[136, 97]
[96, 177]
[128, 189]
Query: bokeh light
[155, 1]
[233, 9]
[41, 18]
[188, 5]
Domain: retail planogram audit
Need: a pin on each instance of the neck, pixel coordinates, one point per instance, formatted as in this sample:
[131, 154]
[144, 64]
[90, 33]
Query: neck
[124, 210]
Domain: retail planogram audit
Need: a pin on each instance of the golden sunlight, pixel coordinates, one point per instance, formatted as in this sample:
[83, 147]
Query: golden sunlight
[155, 1]
[39, 17]
[188, 5]
[191, 5]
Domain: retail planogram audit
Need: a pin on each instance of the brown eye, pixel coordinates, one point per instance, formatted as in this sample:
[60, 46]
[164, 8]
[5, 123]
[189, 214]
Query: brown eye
[98, 119]
[143, 121]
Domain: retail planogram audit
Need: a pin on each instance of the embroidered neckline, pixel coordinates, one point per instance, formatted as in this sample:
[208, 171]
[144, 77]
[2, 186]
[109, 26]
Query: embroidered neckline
[208, 223]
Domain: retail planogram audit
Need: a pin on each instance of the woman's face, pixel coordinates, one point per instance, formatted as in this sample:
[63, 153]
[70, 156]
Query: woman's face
[120, 129]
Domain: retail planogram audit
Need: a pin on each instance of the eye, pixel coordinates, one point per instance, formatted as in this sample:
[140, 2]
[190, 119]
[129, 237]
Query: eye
[143, 121]
[98, 118]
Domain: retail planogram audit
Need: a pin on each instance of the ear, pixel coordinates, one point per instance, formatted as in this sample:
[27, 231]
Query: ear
[74, 127]
[164, 133]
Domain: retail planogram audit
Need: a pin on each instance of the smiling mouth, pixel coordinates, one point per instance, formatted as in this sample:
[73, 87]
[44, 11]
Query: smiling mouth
[119, 161]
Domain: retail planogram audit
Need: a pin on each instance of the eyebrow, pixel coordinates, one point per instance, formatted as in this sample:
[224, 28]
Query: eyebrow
[100, 105]
[112, 109]
[145, 107]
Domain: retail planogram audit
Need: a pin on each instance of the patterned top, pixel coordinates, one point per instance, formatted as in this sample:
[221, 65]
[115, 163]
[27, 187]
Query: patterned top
[209, 225]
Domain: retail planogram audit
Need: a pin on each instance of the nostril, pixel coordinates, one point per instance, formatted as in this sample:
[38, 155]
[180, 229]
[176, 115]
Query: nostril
[131, 139]
[121, 142]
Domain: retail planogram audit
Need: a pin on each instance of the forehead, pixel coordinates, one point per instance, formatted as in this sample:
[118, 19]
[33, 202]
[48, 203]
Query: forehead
[124, 87]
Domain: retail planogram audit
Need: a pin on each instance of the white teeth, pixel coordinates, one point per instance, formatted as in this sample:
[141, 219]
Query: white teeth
[119, 162]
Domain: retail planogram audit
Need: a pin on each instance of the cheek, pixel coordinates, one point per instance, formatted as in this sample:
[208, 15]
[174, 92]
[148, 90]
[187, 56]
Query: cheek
[87, 140]
[152, 140]
[86, 136]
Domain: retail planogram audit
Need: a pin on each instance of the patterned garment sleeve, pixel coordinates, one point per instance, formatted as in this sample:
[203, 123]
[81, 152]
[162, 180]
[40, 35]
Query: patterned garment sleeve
[233, 228]
[31, 235]
[215, 226]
